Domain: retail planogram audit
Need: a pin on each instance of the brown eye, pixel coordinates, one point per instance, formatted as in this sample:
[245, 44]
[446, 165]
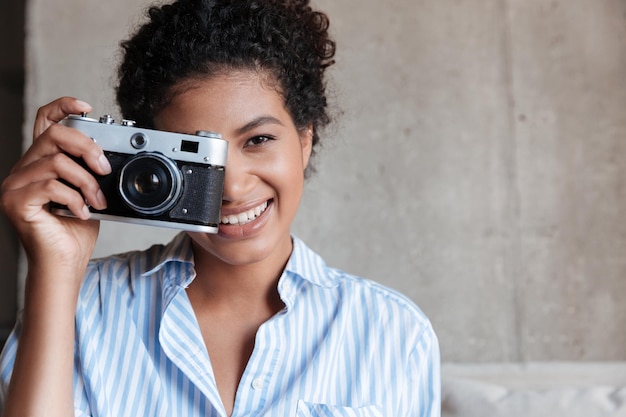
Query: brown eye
[258, 140]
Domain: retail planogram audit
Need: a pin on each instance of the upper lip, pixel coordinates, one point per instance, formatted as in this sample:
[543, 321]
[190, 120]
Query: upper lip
[234, 210]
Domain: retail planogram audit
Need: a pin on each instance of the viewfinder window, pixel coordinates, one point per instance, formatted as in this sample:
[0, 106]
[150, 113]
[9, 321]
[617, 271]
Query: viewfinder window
[189, 146]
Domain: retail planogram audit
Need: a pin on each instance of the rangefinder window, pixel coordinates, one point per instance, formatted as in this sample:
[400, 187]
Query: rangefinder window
[189, 146]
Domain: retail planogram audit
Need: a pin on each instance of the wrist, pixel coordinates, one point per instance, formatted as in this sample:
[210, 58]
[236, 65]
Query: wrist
[58, 268]
[52, 289]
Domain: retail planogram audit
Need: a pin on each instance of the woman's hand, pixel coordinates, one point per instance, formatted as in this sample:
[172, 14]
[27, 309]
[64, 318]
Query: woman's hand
[49, 239]
[58, 250]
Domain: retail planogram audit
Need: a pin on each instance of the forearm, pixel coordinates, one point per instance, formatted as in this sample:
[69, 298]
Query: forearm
[42, 380]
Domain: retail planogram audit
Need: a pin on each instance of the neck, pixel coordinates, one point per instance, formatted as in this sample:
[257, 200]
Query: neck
[249, 287]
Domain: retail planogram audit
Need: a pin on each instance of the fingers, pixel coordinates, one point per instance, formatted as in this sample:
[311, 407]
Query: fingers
[55, 111]
[54, 167]
[58, 138]
[42, 174]
[48, 172]
[28, 203]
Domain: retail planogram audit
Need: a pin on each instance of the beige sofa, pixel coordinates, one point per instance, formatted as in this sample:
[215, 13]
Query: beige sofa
[534, 390]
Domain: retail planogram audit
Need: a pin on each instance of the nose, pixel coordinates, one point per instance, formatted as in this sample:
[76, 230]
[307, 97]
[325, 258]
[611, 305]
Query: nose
[237, 179]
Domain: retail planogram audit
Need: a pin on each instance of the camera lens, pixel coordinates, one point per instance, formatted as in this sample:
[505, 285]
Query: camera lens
[147, 183]
[150, 183]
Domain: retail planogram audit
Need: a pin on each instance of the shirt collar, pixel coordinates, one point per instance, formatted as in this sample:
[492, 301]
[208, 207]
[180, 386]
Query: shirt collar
[178, 250]
[304, 267]
[309, 266]
[303, 264]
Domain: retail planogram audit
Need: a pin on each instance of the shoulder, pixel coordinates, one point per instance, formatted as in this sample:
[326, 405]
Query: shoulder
[382, 305]
[389, 303]
[391, 316]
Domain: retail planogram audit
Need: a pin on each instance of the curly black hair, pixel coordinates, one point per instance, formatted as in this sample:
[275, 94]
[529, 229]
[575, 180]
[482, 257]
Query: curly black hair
[188, 39]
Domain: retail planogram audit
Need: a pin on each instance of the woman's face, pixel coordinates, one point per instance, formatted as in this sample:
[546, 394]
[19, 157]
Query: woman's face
[267, 156]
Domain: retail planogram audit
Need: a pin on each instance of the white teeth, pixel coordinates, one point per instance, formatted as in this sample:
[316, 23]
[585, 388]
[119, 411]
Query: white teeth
[246, 216]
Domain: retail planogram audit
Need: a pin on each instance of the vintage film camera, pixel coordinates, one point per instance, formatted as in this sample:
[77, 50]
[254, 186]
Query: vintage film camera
[159, 178]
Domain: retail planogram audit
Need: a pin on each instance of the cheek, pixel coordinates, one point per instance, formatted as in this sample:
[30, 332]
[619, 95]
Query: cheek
[294, 165]
[285, 169]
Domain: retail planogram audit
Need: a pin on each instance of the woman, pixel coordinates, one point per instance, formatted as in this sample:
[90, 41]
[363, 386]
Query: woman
[248, 321]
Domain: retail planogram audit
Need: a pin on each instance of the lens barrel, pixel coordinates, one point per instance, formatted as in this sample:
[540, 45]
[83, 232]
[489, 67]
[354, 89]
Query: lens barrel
[150, 183]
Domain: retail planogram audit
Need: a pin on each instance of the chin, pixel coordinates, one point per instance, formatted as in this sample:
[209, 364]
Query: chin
[241, 252]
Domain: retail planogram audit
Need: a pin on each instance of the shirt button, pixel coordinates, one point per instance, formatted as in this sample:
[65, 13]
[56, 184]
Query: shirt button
[257, 383]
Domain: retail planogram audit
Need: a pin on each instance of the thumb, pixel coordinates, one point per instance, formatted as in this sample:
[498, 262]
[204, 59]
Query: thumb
[55, 111]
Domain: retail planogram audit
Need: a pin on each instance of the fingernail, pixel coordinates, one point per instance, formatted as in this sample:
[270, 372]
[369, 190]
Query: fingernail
[83, 103]
[104, 164]
[102, 201]
[86, 212]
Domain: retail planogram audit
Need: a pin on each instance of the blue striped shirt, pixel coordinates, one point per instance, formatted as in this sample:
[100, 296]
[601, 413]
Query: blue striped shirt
[342, 346]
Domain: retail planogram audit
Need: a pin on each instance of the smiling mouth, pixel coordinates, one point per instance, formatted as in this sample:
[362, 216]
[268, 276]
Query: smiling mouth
[246, 216]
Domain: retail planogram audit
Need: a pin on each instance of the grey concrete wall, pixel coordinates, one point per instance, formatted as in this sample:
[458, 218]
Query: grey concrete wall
[479, 165]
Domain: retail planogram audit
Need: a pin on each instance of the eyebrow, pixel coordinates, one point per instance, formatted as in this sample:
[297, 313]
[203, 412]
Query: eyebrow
[259, 121]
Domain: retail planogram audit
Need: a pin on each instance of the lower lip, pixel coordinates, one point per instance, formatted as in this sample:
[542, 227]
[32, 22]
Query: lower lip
[236, 231]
